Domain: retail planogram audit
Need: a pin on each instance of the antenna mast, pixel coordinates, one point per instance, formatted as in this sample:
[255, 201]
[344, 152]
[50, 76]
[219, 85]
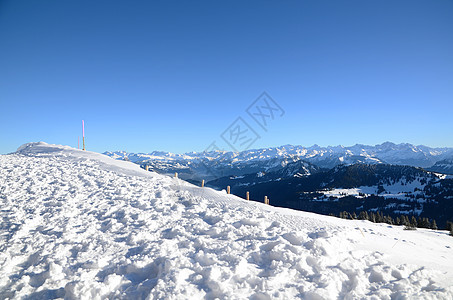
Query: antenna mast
[83, 134]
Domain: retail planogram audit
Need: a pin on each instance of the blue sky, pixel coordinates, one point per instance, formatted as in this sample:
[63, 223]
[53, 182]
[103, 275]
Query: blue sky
[173, 75]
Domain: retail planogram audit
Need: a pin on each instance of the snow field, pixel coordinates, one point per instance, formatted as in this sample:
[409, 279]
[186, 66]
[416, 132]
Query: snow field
[80, 225]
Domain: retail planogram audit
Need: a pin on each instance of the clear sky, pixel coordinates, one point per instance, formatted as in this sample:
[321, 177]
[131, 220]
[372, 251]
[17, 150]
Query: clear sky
[174, 75]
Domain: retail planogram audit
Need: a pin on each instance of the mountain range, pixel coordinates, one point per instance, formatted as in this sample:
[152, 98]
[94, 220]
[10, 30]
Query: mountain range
[216, 164]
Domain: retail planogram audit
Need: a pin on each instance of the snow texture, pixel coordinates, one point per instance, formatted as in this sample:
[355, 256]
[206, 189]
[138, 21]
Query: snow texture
[80, 225]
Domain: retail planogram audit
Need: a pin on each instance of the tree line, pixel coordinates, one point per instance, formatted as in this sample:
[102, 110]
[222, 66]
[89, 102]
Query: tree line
[409, 223]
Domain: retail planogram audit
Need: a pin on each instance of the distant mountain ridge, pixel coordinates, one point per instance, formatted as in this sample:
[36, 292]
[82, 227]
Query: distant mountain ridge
[296, 169]
[443, 166]
[216, 164]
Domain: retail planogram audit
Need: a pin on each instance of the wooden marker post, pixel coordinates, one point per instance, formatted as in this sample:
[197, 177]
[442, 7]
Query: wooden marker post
[176, 174]
[247, 196]
[147, 168]
[266, 200]
[202, 183]
[228, 189]
[83, 134]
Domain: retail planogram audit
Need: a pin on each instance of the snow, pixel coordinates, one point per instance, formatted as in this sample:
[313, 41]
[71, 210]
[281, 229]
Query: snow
[402, 154]
[80, 225]
[398, 190]
[338, 192]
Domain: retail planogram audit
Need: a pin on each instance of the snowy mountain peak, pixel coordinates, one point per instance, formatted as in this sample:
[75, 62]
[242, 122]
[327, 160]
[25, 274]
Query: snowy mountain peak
[215, 164]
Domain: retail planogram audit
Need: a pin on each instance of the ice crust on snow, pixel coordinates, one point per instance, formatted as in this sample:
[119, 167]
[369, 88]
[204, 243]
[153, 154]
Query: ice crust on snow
[80, 225]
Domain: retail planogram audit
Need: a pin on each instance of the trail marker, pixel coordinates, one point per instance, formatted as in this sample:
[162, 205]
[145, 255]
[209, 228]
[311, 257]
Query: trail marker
[83, 134]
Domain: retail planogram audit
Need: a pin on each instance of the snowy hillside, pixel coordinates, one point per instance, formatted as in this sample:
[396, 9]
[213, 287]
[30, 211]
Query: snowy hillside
[81, 225]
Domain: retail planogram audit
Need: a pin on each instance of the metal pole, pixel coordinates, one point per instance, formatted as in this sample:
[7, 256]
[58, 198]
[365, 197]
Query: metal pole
[83, 134]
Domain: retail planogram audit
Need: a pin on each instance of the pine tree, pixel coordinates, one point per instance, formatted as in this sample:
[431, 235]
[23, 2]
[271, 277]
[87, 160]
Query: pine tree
[398, 221]
[344, 215]
[405, 220]
[426, 223]
[449, 226]
[434, 225]
[362, 216]
[379, 217]
[412, 225]
[390, 220]
[408, 220]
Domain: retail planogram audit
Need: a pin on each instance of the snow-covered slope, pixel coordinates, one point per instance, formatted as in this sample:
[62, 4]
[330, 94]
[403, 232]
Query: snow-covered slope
[78, 224]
